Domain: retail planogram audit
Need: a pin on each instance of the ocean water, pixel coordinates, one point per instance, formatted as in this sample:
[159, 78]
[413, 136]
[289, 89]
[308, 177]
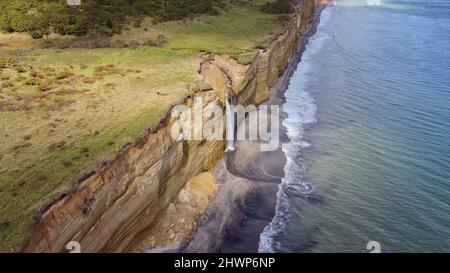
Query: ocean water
[368, 118]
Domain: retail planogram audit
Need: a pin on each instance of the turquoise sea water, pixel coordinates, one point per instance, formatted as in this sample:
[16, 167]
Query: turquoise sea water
[369, 123]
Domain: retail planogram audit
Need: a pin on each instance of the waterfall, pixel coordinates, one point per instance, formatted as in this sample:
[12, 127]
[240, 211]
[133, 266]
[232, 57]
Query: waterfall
[229, 112]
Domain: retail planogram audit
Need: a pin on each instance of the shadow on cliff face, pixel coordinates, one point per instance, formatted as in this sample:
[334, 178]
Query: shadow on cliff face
[168, 168]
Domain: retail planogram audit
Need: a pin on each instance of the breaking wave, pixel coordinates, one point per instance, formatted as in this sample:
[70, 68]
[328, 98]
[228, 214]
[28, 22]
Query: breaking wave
[301, 109]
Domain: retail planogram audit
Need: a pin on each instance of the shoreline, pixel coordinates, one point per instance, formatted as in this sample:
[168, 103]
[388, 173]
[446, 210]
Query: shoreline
[247, 197]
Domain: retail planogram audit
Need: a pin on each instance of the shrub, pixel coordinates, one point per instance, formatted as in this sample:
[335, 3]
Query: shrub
[63, 75]
[95, 16]
[278, 7]
[109, 23]
[78, 29]
[8, 29]
[36, 34]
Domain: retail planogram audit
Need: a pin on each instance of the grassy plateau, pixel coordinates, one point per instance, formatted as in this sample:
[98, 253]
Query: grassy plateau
[64, 108]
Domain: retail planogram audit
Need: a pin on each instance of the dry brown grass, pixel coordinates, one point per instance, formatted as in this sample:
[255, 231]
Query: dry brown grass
[70, 109]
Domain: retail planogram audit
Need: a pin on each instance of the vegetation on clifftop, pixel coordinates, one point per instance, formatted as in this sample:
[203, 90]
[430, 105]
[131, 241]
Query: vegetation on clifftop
[64, 107]
[93, 16]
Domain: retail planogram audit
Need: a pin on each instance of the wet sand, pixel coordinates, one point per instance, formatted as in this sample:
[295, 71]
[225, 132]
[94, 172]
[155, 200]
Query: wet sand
[258, 211]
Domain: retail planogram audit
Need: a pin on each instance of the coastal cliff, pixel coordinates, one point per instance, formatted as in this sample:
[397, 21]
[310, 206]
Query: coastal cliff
[114, 208]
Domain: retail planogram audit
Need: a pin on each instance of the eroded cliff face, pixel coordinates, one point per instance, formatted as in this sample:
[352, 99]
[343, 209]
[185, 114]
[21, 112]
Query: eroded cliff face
[252, 82]
[114, 208]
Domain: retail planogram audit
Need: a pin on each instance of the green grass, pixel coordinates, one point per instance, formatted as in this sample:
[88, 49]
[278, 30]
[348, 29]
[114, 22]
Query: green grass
[240, 31]
[44, 149]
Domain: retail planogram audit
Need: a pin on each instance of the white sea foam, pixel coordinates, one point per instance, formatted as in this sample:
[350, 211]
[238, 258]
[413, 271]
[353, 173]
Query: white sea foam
[301, 109]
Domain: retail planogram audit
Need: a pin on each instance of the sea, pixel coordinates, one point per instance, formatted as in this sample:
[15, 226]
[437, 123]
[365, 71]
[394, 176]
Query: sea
[368, 121]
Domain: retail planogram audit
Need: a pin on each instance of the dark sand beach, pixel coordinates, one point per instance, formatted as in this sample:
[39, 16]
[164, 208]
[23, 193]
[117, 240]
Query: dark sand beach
[249, 181]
